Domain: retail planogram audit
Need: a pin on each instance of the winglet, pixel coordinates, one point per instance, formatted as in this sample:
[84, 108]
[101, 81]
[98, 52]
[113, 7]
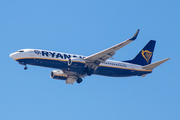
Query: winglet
[135, 35]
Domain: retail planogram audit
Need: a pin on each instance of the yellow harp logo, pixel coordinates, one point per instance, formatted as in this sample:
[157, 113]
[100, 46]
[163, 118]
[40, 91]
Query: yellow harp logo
[146, 54]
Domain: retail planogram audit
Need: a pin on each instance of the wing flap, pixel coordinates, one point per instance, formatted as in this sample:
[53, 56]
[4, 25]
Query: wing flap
[71, 79]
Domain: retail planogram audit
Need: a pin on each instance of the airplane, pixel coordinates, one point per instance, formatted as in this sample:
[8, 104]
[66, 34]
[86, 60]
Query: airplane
[72, 67]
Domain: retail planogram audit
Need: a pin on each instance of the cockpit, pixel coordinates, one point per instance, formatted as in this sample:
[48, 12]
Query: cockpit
[20, 51]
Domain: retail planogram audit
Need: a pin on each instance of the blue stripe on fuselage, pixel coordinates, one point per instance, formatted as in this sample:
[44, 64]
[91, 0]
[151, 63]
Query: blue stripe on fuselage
[79, 67]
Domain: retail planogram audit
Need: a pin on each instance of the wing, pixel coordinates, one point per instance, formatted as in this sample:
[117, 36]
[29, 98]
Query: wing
[95, 59]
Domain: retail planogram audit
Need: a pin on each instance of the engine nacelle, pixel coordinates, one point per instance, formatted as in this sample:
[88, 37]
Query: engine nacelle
[75, 60]
[59, 74]
[70, 79]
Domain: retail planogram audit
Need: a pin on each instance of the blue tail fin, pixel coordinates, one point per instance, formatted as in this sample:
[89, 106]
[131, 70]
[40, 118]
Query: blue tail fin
[144, 57]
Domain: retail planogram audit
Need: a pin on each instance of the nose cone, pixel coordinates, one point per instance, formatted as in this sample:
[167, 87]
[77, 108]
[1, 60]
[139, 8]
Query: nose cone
[13, 55]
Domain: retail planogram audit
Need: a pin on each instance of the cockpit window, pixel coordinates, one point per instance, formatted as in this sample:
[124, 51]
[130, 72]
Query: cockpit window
[20, 50]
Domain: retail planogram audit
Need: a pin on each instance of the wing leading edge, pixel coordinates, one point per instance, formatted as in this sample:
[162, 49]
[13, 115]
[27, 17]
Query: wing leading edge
[94, 60]
[108, 53]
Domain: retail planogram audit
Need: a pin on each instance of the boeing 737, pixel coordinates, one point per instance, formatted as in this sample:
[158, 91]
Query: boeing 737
[73, 67]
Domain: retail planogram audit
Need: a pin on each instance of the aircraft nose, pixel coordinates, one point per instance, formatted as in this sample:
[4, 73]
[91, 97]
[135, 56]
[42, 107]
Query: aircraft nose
[13, 55]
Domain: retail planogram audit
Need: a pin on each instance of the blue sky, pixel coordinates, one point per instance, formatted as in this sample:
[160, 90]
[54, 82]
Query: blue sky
[87, 27]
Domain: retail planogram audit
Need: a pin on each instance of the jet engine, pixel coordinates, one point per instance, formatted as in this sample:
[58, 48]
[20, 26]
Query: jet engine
[70, 79]
[74, 60]
[59, 74]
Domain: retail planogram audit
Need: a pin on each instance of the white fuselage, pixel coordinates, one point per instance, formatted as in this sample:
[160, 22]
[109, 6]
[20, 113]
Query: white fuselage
[59, 60]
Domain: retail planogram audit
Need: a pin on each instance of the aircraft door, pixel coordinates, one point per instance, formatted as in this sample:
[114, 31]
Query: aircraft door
[32, 54]
[132, 68]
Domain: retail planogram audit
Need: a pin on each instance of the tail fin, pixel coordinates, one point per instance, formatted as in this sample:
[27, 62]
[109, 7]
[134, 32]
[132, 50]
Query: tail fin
[144, 57]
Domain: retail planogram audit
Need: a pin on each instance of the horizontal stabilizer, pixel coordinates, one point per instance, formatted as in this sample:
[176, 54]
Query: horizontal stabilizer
[154, 65]
[143, 75]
